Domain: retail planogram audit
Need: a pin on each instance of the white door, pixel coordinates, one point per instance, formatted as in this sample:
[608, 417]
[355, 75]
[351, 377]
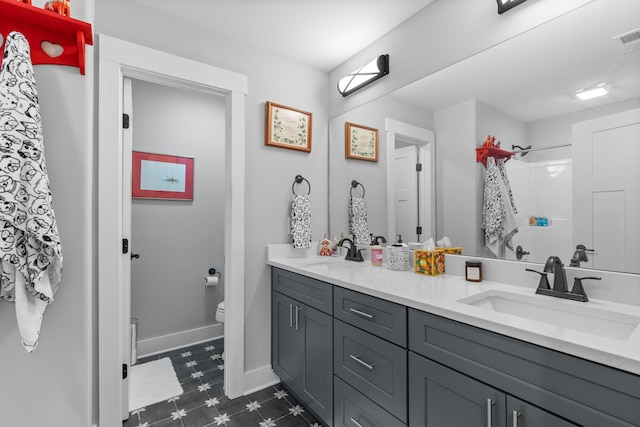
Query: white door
[606, 181]
[406, 195]
[125, 281]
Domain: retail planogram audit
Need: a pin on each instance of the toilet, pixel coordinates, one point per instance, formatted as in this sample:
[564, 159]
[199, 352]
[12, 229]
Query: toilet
[220, 317]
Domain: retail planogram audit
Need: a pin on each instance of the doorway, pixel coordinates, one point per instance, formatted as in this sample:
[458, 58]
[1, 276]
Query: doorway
[117, 60]
[410, 181]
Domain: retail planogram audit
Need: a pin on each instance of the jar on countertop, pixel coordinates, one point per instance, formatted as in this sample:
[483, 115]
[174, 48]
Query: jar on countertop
[473, 271]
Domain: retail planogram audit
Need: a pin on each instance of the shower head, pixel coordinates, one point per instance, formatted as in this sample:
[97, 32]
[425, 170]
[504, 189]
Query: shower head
[523, 151]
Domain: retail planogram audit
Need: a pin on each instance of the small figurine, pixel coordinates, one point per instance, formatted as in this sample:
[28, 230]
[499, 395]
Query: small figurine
[61, 7]
[325, 247]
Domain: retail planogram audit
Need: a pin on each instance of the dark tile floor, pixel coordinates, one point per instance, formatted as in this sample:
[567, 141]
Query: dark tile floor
[200, 371]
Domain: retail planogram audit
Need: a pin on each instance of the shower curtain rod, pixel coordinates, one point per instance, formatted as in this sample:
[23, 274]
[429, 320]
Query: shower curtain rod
[542, 148]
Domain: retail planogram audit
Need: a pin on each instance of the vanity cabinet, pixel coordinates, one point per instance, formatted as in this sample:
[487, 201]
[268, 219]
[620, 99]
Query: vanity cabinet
[302, 340]
[454, 365]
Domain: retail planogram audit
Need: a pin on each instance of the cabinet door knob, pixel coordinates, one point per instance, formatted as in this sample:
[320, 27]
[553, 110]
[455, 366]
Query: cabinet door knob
[490, 404]
[516, 414]
[291, 315]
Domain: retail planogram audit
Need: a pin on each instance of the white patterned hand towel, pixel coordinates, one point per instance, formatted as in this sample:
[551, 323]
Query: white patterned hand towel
[30, 248]
[301, 221]
[358, 221]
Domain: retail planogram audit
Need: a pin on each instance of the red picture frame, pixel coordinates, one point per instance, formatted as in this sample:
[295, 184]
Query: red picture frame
[160, 176]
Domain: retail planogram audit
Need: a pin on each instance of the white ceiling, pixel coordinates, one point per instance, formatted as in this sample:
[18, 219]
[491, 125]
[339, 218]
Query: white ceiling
[319, 33]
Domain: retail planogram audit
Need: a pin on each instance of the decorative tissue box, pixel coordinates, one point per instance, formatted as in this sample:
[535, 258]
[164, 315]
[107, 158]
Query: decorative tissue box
[430, 263]
[452, 251]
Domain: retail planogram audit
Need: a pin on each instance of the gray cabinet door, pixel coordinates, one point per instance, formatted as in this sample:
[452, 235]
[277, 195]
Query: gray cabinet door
[439, 396]
[353, 409]
[284, 340]
[316, 347]
[523, 414]
[301, 349]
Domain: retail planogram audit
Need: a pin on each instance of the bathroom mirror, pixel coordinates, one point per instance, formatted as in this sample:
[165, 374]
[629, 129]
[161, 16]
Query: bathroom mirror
[521, 91]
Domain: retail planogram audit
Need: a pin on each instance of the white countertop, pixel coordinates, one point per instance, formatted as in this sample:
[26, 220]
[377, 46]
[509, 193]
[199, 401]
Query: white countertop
[440, 295]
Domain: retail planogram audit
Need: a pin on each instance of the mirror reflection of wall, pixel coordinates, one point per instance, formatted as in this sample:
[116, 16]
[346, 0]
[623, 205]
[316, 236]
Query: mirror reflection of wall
[528, 101]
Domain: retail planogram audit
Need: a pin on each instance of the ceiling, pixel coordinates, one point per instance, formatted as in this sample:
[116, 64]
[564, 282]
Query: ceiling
[535, 75]
[319, 33]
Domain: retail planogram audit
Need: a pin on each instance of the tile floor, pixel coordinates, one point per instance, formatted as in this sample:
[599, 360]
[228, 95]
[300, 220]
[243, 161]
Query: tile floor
[200, 371]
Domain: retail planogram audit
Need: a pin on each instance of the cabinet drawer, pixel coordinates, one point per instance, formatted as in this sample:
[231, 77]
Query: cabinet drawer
[353, 409]
[385, 319]
[375, 367]
[584, 392]
[312, 292]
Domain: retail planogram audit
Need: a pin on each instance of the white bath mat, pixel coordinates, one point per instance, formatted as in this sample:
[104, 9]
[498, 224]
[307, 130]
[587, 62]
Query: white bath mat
[152, 382]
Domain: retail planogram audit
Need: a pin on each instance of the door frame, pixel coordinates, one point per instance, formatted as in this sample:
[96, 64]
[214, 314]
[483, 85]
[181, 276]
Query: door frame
[118, 59]
[426, 139]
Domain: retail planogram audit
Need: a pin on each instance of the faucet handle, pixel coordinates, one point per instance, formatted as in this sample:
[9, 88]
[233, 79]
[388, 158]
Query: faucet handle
[577, 286]
[544, 282]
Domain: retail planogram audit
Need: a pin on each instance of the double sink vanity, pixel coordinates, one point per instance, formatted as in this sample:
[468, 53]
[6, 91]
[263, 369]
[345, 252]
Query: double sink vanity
[364, 346]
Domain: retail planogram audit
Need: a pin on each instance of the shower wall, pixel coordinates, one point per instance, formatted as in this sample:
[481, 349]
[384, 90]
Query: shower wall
[178, 241]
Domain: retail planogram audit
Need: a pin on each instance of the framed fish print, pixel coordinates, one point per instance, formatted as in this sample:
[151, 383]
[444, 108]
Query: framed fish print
[288, 127]
[361, 142]
[159, 176]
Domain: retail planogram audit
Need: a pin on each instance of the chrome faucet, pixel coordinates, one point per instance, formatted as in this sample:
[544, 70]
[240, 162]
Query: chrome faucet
[353, 254]
[554, 265]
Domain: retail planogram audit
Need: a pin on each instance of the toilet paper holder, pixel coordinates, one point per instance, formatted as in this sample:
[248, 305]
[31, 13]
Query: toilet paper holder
[213, 272]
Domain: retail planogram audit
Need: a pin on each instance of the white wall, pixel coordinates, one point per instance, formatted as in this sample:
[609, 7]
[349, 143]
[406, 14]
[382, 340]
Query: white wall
[54, 385]
[178, 240]
[270, 171]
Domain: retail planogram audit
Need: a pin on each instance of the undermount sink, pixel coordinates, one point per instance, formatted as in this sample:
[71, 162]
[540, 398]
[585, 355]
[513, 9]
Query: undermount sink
[331, 264]
[578, 316]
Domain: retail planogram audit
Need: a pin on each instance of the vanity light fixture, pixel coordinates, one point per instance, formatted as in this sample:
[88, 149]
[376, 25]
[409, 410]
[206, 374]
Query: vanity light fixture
[504, 5]
[594, 92]
[364, 75]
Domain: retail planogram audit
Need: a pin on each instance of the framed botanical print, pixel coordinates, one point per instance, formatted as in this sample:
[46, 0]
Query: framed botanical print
[361, 142]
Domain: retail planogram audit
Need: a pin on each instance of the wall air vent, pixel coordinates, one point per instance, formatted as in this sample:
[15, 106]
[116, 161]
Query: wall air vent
[630, 40]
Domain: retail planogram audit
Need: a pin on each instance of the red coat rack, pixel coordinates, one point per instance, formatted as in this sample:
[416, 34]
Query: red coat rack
[482, 153]
[64, 38]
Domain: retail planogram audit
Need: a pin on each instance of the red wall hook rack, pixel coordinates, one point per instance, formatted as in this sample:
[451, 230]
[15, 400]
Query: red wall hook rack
[53, 38]
[482, 153]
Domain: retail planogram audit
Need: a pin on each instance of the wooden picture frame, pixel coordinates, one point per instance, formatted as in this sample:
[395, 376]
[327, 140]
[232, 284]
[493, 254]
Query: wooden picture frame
[288, 127]
[361, 142]
[159, 176]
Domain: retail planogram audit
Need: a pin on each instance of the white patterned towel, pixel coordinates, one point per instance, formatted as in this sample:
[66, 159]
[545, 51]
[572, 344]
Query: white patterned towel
[301, 221]
[498, 209]
[30, 248]
[358, 221]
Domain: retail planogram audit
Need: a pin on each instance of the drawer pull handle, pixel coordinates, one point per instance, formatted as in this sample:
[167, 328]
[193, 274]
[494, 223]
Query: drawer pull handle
[490, 403]
[516, 414]
[360, 361]
[355, 421]
[361, 313]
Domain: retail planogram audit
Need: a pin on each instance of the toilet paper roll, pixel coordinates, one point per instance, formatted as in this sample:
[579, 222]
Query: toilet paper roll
[211, 280]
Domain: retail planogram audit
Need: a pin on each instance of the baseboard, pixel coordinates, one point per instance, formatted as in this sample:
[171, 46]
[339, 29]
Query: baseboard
[258, 379]
[155, 345]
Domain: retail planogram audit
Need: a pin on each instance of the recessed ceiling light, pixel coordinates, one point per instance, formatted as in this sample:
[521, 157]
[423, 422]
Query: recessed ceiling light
[594, 92]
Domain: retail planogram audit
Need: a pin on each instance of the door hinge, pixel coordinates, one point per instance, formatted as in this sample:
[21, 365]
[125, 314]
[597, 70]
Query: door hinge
[125, 246]
[418, 230]
[124, 371]
[125, 121]
[418, 167]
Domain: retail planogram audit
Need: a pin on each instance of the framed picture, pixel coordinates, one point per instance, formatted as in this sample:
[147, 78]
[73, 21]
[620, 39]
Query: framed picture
[158, 176]
[361, 142]
[288, 127]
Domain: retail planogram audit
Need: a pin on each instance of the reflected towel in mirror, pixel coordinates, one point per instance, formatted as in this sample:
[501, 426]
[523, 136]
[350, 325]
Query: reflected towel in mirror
[358, 221]
[498, 208]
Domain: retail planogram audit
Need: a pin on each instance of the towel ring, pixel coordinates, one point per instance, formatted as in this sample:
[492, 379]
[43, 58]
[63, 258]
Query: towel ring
[298, 180]
[354, 184]
[213, 272]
